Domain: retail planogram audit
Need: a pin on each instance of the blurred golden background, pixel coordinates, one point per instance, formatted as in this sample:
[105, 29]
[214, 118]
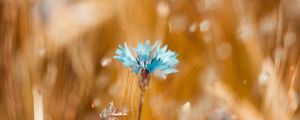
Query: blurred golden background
[239, 59]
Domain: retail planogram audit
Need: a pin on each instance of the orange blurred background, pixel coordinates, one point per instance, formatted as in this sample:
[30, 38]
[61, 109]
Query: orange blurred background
[239, 59]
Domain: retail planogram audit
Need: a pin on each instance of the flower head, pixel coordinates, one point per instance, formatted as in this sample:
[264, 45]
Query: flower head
[151, 58]
[112, 113]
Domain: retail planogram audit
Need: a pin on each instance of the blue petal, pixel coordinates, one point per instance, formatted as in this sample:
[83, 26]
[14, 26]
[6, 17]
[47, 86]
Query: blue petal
[163, 62]
[159, 61]
[143, 53]
[124, 55]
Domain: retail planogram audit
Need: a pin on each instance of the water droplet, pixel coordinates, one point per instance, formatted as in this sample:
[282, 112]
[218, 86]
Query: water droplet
[209, 75]
[207, 38]
[224, 51]
[186, 106]
[105, 62]
[204, 26]
[96, 103]
[220, 114]
[263, 78]
[163, 8]
[193, 28]
[245, 31]
[178, 23]
[267, 25]
[185, 111]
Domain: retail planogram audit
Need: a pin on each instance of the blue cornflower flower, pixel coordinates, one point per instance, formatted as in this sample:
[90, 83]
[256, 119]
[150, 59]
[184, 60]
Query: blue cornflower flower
[148, 59]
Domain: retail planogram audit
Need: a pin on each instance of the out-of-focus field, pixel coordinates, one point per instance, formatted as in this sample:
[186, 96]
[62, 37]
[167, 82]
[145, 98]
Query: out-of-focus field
[239, 59]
